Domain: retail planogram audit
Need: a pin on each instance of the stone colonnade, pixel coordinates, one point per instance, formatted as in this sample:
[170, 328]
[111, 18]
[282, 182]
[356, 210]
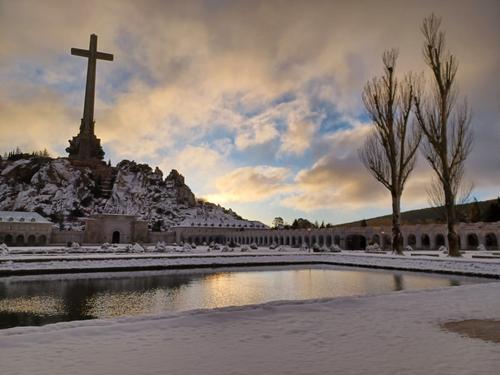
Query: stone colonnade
[419, 237]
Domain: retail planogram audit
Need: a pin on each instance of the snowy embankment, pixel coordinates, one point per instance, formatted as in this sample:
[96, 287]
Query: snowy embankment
[397, 333]
[13, 264]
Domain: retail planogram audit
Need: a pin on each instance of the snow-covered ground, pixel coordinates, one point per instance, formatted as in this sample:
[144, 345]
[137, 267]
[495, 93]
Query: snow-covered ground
[51, 259]
[397, 333]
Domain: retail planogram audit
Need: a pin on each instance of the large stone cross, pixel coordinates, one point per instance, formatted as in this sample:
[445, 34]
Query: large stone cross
[93, 56]
[86, 146]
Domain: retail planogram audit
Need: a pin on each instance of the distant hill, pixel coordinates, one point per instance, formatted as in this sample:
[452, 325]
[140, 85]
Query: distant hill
[487, 211]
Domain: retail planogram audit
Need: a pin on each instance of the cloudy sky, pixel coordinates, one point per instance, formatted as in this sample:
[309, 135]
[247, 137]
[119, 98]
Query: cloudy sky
[256, 103]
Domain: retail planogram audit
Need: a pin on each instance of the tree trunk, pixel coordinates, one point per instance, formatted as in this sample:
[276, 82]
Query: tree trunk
[453, 248]
[397, 238]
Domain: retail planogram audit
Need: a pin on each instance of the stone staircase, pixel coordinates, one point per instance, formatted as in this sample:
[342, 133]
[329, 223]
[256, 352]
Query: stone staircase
[106, 184]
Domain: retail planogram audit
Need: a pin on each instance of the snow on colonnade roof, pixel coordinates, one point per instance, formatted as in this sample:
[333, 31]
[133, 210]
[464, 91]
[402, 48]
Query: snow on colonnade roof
[22, 216]
[218, 222]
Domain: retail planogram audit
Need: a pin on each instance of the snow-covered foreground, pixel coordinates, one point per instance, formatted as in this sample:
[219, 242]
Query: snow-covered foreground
[397, 333]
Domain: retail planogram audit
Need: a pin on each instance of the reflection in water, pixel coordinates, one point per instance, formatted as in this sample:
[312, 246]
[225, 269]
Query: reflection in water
[398, 282]
[38, 300]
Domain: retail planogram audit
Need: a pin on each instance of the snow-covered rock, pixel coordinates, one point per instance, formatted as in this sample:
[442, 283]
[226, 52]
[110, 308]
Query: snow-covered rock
[58, 189]
[373, 247]
[75, 246]
[481, 247]
[135, 248]
[335, 248]
[4, 249]
[253, 246]
[443, 249]
[105, 246]
[160, 247]
[408, 248]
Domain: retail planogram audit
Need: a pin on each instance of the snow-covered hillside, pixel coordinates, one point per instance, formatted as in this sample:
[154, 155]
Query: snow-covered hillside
[64, 192]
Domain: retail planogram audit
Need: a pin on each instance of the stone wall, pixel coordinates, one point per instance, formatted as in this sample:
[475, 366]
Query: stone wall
[167, 237]
[27, 233]
[62, 237]
[115, 229]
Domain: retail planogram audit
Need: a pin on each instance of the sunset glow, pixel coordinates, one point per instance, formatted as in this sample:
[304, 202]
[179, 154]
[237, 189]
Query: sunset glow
[257, 103]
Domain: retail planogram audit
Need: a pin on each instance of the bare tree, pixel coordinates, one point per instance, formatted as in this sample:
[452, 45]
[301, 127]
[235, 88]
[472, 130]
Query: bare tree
[444, 123]
[389, 152]
[436, 198]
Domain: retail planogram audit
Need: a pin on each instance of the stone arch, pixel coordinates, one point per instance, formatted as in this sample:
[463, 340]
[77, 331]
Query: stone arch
[336, 240]
[31, 240]
[9, 239]
[426, 241]
[376, 239]
[321, 240]
[20, 240]
[491, 241]
[472, 241]
[386, 241]
[329, 241]
[355, 242]
[42, 240]
[412, 240]
[440, 240]
[115, 237]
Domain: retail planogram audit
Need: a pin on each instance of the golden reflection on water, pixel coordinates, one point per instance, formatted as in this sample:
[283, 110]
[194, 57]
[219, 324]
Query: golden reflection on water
[153, 293]
[41, 305]
[245, 288]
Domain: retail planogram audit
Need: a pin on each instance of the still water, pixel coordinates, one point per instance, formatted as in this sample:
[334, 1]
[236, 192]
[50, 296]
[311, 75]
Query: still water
[39, 300]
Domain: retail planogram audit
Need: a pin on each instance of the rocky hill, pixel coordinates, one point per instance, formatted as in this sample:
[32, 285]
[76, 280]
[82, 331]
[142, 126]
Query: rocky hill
[64, 191]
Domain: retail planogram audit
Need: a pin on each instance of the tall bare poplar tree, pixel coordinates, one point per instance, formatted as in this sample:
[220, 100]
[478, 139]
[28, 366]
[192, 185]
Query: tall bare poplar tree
[389, 152]
[444, 123]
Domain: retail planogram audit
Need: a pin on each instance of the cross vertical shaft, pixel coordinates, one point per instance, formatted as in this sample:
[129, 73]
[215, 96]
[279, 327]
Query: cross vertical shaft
[88, 108]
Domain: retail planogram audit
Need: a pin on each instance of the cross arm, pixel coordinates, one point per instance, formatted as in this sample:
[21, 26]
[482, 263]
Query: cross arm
[86, 53]
[104, 56]
[80, 52]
